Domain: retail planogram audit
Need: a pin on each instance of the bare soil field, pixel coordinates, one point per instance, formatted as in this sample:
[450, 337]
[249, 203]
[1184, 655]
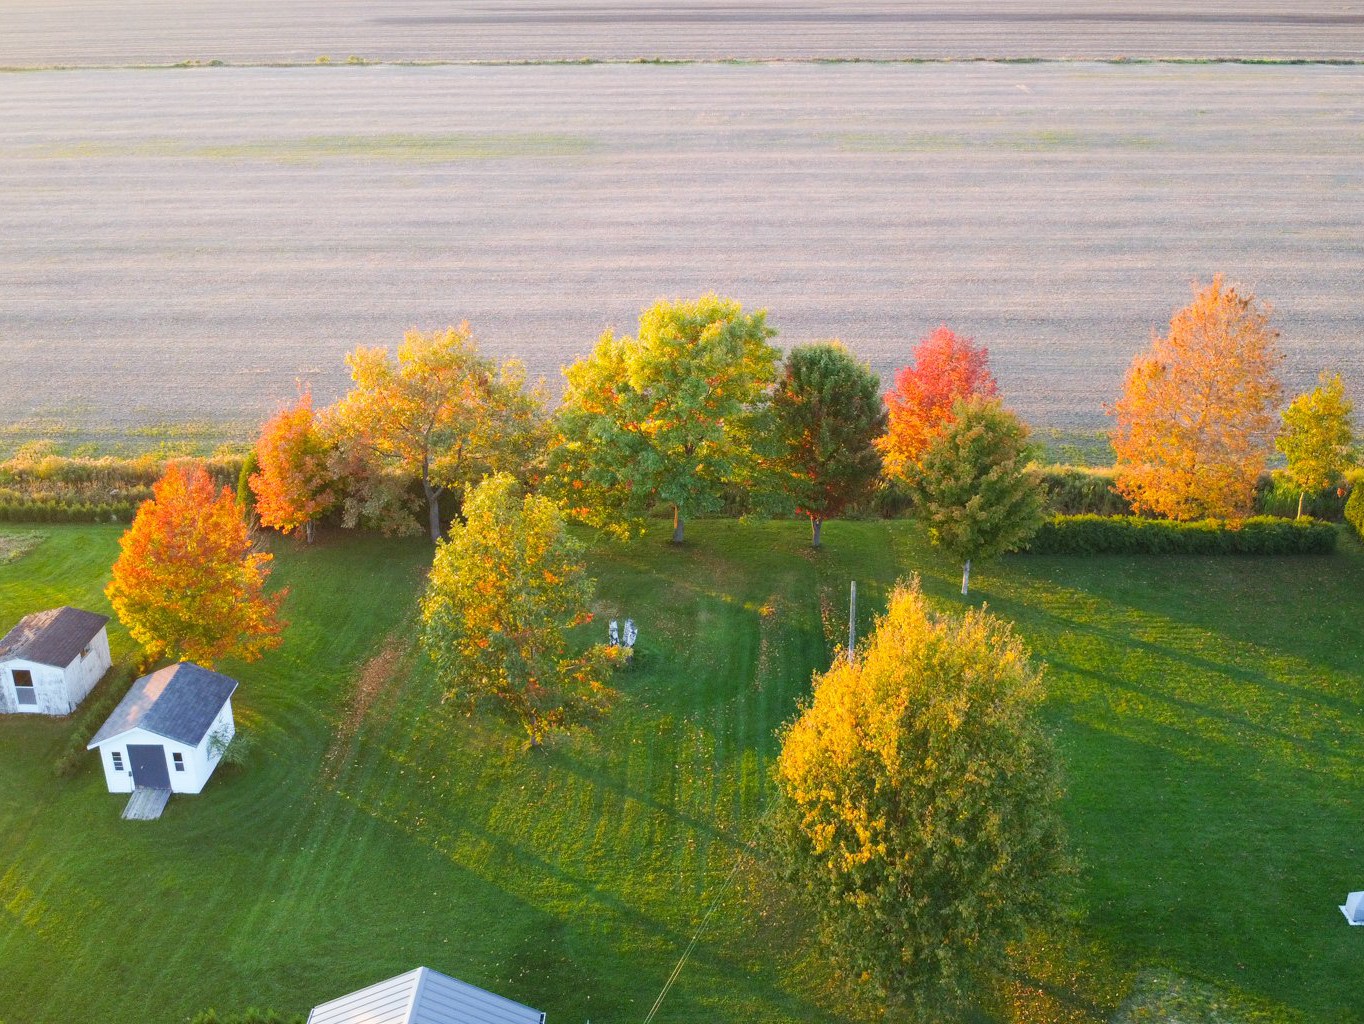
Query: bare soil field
[183, 245]
[96, 32]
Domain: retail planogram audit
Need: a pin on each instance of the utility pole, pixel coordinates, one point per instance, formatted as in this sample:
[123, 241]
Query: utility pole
[852, 623]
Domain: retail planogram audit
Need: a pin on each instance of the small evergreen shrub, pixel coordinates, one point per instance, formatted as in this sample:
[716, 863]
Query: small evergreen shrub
[1077, 490]
[91, 715]
[1135, 535]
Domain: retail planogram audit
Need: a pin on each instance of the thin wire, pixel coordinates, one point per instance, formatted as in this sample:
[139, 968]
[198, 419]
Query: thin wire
[724, 888]
[696, 936]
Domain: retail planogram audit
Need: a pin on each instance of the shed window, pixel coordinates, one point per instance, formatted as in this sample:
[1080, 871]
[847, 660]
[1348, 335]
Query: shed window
[118, 760]
[179, 760]
[23, 687]
[86, 653]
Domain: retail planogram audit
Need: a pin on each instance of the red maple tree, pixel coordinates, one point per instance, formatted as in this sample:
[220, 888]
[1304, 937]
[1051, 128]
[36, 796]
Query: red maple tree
[188, 583]
[946, 367]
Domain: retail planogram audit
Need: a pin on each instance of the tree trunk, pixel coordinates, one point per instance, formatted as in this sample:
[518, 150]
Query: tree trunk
[966, 578]
[815, 525]
[677, 525]
[432, 499]
[1301, 495]
[308, 531]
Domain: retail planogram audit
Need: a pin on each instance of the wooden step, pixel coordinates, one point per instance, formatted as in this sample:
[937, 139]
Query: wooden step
[146, 804]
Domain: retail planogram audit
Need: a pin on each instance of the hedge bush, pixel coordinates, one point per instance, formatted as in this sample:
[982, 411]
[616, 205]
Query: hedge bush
[1354, 510]
[1134, 535]
[50, 511]
[1077, 490]
[96, 707]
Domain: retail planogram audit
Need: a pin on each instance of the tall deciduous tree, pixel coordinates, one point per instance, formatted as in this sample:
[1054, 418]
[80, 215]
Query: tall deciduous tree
[189, 584]
[1317, 436]
[440, 412]
[293, 481]
[829, 414]
[672, 416]
[973, 488]
[917, 804]
[506, 587]
[946, 367]
[1195, 422]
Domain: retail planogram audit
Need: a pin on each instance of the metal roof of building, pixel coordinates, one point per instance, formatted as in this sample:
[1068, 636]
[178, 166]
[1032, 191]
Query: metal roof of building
[423, 996]
[53, 637]
[178, 702]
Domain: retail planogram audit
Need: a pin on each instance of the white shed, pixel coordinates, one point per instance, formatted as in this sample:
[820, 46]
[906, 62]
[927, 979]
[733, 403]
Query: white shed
[51, 660]
[169, 732]
[423, 996]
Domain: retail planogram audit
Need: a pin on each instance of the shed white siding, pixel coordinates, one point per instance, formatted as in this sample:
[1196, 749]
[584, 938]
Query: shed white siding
[199, 762]
[58, 690]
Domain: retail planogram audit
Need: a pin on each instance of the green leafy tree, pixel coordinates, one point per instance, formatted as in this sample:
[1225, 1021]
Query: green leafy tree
[506, 588]
[974, 489]
[917, 805]
[829, 415]
[1317, 437]
[439, 412]
[673, 416]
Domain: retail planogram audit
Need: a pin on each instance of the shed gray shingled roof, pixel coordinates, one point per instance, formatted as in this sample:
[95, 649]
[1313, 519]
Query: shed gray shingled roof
[178, 702]
[53, 637]
[423, 996]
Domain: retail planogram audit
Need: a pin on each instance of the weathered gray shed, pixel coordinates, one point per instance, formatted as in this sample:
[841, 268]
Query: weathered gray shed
[423, 996]
[51, 660]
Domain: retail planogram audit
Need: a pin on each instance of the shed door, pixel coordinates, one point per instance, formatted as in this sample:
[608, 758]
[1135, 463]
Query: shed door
[149, 766]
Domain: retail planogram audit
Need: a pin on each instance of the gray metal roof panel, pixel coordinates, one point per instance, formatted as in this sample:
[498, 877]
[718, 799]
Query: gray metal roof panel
[423, 996]
[53, 637]
[178, 702]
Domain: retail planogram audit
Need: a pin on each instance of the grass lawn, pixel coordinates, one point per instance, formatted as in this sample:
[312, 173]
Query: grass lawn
[1209, 712]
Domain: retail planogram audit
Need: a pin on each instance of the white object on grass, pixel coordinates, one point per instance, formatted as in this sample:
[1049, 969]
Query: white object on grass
[1353, 908]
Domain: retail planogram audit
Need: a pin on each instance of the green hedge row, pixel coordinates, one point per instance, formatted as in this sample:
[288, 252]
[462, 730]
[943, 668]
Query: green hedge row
[1354, 510]
[1132, 535]
[66, 512]
[96, 707]
[1080, 490]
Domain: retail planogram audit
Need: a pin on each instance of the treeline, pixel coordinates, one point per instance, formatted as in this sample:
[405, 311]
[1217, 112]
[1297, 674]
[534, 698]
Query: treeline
[68, 497]
[699, 415]
[43, 488]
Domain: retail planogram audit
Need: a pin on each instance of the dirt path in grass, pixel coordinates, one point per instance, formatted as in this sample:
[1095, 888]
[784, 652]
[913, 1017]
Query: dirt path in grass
[373, 690]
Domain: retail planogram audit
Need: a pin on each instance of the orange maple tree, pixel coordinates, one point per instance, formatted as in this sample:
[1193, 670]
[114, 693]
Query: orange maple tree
[1195, 423]
[188, 583]
[294, 483]
[946, 367]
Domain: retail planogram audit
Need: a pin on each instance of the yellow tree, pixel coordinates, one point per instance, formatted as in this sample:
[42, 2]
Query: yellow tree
[504, 592]
[1317, 436]
[188, 583]
[1195, 423]
[917, 804]
[440, 412]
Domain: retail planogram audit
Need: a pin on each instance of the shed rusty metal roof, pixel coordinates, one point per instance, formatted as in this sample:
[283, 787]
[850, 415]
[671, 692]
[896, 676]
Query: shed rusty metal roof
[424, 996]
[178, 702]
[53, 637]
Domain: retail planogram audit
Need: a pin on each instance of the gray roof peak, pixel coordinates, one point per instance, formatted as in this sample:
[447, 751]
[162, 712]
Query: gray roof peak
[424, 996]
[53, 637]
[178, 702]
